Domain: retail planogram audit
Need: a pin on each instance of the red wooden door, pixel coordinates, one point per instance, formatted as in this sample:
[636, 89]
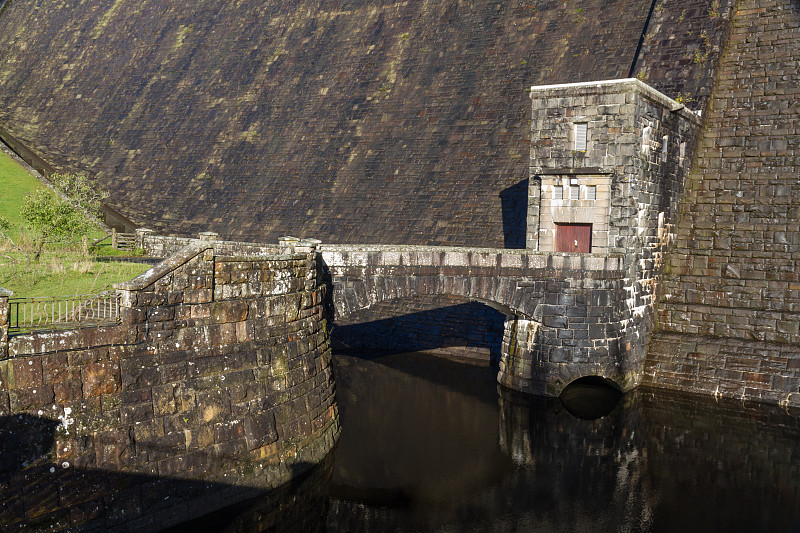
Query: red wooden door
[574, 238]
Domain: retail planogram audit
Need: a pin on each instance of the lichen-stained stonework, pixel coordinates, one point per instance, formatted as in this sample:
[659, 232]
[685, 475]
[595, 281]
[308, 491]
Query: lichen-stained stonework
[217, 380]
[575, 303]
[730, 315]
[377, 121]
[636, 154]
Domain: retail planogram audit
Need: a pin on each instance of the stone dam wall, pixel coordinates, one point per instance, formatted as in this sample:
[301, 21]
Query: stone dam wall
[215, 386]
[380, 121]
[426, 136]
[730, 310]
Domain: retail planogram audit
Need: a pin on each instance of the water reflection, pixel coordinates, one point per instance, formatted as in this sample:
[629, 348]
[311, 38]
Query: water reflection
[436, 446]
[430, 444]
[299, 506]
[410, 441]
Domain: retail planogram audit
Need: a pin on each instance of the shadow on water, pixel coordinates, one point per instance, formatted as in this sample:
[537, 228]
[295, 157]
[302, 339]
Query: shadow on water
[416, 455]
[296, 507]
[38, 494]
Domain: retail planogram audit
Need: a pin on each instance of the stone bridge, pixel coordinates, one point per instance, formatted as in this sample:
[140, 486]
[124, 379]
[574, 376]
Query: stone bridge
[567, 316]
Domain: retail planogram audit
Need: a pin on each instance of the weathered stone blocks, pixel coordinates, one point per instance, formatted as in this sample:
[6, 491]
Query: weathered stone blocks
[731, 278]
[189, 384]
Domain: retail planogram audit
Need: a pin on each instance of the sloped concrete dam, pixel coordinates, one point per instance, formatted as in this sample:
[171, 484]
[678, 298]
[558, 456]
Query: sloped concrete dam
[215, 387]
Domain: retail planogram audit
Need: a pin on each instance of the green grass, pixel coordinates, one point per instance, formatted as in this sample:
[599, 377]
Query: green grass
[15, 182]
[63, 269]
[63, 273]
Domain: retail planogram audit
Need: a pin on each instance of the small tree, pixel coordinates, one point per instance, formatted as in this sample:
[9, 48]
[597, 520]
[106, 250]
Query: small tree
[62, 217]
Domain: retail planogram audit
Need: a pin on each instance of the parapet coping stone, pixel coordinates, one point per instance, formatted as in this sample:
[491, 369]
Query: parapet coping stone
[409, 256]
[461, 249]
[5, 292]
[267, 257]
[182, 256]
[621, 85]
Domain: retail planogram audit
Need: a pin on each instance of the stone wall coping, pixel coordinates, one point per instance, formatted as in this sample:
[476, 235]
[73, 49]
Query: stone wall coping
[438, 249]
[5, 292]
[575, 171]
[562, 90]
[252, 258]
[420, 256]
[166, 266]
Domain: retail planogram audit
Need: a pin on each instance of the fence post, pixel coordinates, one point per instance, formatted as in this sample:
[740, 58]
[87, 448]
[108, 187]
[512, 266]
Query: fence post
[4, 318]
[114, 238]
[141, 236]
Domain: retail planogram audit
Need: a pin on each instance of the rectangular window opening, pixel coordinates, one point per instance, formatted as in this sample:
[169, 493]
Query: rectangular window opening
[574, 192]
[558, 192]
[664, 145]
[591, 192]
[581, 132]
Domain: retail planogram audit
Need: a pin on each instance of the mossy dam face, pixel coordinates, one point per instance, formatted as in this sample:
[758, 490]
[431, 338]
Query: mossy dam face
[474, 188]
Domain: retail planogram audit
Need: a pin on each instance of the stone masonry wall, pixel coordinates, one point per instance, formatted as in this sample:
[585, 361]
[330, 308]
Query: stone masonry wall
[681, 49]
[379, 121]
[218, 372]
[730, 313]
[627, 124]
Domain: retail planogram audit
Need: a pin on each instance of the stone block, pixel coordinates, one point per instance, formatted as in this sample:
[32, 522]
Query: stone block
[6, 374]
[31, 399]
[555, 321]
[100, 378]
[560, 355]
[27, 372]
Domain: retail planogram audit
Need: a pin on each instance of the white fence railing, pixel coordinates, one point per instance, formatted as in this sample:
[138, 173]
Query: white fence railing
[60, 312]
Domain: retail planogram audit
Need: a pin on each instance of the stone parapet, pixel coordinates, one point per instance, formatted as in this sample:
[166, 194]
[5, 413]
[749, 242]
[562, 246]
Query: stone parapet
[218, 372]
[166, 245]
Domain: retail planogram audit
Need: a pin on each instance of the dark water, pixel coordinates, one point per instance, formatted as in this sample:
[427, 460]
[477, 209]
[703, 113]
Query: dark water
[430, 444]
[434, 445]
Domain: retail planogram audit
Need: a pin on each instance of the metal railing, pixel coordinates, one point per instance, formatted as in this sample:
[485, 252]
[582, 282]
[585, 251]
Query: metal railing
[62, 312]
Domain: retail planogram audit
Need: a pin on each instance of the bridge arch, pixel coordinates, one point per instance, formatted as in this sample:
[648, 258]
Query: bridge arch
[562, 318]
[365, 294]
[362, 279]
[444, 325]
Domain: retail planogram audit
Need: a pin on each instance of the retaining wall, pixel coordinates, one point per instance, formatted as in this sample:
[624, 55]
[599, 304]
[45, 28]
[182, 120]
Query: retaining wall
[219, 371]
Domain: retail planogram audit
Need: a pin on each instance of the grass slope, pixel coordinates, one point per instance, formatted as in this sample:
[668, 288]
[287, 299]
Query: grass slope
[61, 270]
[15, 183]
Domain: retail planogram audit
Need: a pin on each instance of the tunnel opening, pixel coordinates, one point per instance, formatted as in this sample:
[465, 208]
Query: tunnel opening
[590, 397]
